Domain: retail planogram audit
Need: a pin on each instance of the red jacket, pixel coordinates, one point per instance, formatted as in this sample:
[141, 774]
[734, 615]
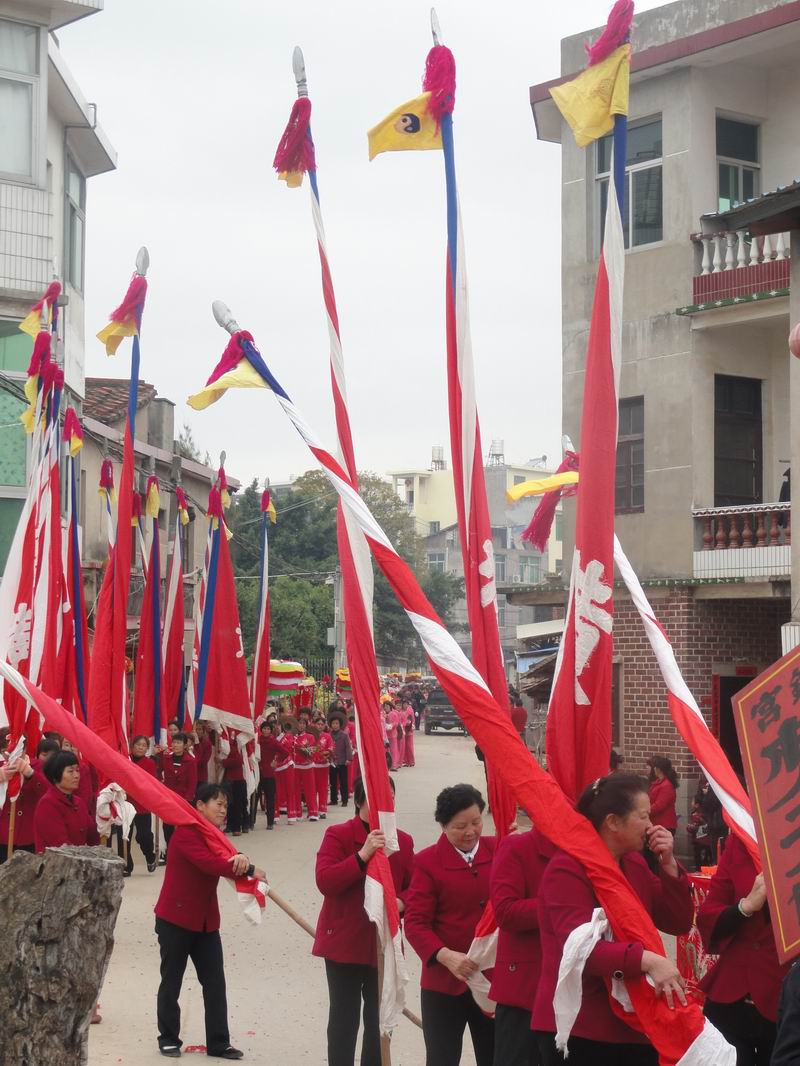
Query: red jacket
[149, 766]
[268, 749]
[322, 752]
[88, 787]
[189, 893]
[567, 900]
[62, 819]
[234, 764]
[662, 804]
[33, 788]
[748, 962]
[443, 905]
[203, 751]
[181, 776]
[285, 756]
[344, 933]
[301, 760]
[518, 867]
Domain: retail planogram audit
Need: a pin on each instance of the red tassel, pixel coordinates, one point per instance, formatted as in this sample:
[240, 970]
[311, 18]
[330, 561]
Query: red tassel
[51, 294]
[440, 81]
[40, 354]
[136, 508]
[214, 504]
[295, 152]
[181, 498]
[133, 301]
[265, 498]
[72, 427]
[617, 32]
[538, 532]
[107, 475]
[222, 481]
[232, 355]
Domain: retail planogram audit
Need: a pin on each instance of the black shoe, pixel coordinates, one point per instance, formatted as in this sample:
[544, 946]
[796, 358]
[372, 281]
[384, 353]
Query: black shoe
[344, 803]
[228, 1053]
[172, 1051]
[270, 827]
[127, 873]
[151, 867]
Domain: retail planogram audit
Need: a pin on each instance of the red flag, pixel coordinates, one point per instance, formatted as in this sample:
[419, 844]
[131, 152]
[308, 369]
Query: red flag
[259, 678]
[149, 716]
[172, 652]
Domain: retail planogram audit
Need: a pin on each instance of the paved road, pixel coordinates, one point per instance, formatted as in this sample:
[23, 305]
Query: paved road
[277, 995]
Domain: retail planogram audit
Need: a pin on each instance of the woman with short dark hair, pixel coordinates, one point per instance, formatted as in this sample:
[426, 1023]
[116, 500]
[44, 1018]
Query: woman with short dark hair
[448, 894]
[187, 926]
[61, 815]
[346, 939]
[618, 806]
[663, 792]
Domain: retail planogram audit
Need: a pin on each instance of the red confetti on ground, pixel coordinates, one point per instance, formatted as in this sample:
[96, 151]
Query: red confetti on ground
[191, 1049]
[251, 1032]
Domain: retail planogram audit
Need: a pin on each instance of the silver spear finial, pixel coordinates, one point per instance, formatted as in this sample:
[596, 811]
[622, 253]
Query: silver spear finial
[299, 68]
[436, 29]
[222, 313]
[142, 262]
[222, 457]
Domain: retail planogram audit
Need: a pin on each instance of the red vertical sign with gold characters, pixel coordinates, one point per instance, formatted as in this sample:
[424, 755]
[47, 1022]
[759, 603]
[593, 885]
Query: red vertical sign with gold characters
[767, 714]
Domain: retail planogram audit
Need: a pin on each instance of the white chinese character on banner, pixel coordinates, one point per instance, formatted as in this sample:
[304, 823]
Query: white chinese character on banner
[486, 569]
[19, 644]
[590, 616]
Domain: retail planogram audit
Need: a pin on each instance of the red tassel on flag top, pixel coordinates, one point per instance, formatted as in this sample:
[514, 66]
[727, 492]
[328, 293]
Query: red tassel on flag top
[130, 310]
[295, 153]
[136, 509]
[51, 294]
[40, 354]
[106, 476]
[616, 33]
[538, 532]
[232, 355]
[440, 81]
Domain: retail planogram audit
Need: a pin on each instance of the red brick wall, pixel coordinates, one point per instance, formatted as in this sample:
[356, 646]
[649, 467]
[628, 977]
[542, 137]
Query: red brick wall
[703, 633]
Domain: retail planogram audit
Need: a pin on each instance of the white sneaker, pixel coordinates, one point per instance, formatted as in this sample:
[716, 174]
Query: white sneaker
[313, 817]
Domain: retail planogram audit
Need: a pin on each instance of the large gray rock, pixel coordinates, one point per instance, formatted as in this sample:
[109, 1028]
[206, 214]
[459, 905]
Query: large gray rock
[57, 916]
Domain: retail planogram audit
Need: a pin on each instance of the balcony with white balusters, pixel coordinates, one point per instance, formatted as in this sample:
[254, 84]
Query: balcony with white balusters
[733, 266]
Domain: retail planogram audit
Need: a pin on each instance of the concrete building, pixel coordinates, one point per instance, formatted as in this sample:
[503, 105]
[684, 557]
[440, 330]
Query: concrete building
[430, 499]
[50, 145]
[710, 398]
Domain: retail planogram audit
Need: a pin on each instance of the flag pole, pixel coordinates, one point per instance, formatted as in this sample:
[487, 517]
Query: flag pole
[12, 819]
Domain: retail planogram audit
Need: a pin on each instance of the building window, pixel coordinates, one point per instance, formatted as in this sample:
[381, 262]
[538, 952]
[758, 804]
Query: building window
[501, 612]
[519, 479]
[738, 450]
[629, 495]
[529, 569]
[75, 221]
[643, 216]
[738, 174]
[19, 81]
[434, 527]
[499, 567]
[559, 526]
[436, 561]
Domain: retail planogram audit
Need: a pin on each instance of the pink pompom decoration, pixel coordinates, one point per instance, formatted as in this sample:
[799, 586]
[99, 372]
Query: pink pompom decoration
[794, 341]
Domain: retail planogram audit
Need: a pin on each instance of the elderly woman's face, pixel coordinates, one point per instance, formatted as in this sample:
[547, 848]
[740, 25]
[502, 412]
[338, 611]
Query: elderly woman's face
[464, 829]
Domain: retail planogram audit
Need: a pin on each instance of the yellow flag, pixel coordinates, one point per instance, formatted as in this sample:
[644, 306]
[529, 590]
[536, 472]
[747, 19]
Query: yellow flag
[539, 486]
[410, 127]
[590, 101]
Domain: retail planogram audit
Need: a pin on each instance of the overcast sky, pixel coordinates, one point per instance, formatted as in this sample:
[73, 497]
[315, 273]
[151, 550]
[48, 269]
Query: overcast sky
[194, 96]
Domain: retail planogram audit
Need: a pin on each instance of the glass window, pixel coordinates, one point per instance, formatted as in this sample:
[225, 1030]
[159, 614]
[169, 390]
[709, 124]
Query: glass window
[15, 348]
[529, 569]
[738, 435]
[500, 567]
[10, 510]
[19, 60]
[13, 442]
[436, 561]
[738, 174]
[75, 190]
[629, 494]
[519, 479]
[434, 527]
[559, 525]
[642, 221]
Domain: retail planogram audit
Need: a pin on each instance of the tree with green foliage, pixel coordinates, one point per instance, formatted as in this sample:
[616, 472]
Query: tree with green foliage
[304, 557]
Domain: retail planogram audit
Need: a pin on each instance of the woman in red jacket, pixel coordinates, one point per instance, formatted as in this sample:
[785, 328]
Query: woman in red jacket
[34, 786]
[346, 939]
[61, 815]
[618, 807]
[179, 771]
[448, 894]
[663, 792]
[187, 926]
[143, 821]
[233, 764]
[744, 986]
[520, 861]
[203, 750]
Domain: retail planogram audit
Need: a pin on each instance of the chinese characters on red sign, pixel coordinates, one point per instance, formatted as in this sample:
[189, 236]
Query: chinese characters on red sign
[767, 714]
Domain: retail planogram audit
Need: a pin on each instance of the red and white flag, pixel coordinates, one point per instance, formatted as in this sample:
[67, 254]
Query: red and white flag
[172, 648]
[149, 713]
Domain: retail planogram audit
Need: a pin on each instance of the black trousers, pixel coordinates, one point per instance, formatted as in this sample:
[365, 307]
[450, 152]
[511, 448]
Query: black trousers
[17, 847]
[787, 1043]
[266, 789]
[338, 775]
[168, 831]
[751, 1033]
[205, 950]
[237, 808]
[515, 1043]
[143, 827]
[444, 1019]
[595, 1052]
[348, 985]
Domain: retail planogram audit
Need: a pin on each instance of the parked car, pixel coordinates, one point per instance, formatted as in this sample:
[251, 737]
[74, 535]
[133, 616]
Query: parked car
[440, 713]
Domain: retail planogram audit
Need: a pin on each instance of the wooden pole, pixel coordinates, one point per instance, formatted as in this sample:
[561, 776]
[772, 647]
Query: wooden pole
[288, 909]
[12, 819]
[158, 839]
[126, 849]
[386, 1038]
